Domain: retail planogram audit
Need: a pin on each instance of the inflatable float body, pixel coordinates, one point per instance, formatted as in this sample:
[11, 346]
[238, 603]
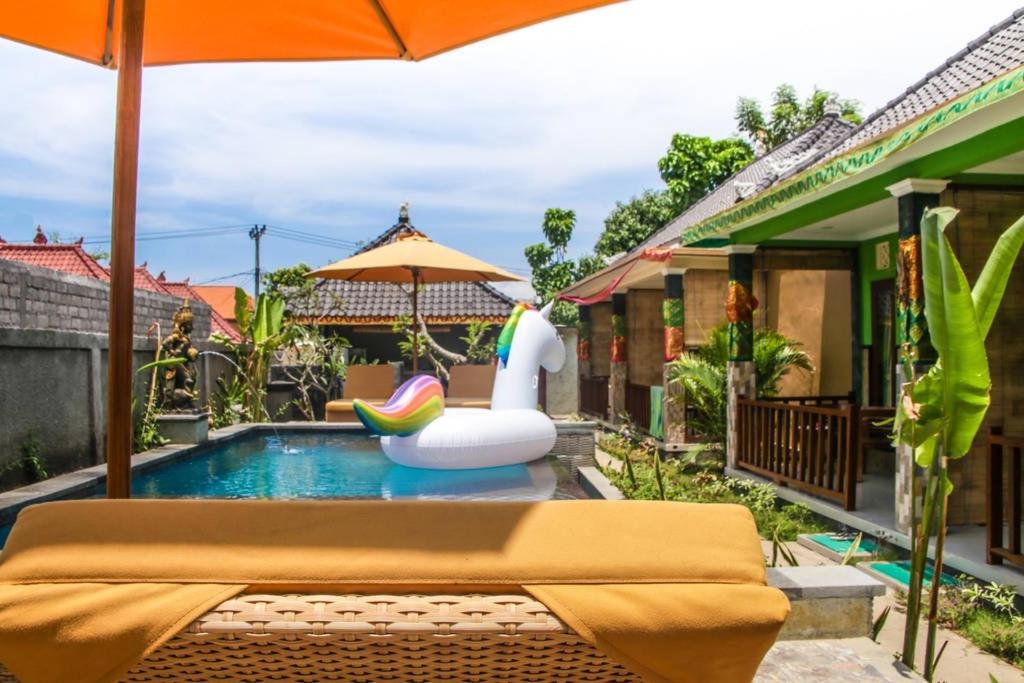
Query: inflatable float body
[418, 431]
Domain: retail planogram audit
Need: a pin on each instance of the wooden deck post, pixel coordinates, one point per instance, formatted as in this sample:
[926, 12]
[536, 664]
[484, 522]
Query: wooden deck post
[852, 456]
[994, 497]
[122, 258]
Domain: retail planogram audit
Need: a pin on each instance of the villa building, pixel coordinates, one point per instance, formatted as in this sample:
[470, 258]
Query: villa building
[364, 313]
[819, 240]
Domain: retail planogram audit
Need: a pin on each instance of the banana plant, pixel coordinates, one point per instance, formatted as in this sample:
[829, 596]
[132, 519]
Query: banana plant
[941, 410]
[264, 330]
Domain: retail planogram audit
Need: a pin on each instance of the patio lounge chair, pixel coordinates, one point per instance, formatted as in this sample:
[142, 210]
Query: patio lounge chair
[369, 382]
[385, 591]
[470, 386]
[412, 638]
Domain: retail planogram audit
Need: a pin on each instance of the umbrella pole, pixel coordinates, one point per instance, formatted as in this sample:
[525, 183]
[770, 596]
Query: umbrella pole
[122, 257]
[415, 321]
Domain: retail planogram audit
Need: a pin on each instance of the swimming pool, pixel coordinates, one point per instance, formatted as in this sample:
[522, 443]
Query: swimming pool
[263, 463]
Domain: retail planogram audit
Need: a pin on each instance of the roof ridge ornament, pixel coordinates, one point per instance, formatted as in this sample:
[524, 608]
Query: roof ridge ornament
[832, 107]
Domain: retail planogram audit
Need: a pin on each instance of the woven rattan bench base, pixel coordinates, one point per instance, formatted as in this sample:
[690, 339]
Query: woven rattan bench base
[371, 638]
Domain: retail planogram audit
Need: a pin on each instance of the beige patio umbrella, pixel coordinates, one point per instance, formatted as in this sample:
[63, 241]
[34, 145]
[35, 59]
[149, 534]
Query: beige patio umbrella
[127, 34]
[413, 259]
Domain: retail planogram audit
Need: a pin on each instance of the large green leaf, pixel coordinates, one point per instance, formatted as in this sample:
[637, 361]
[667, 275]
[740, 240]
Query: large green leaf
[162, 363]
[242, 312]
[988, 290]
[956, 335]
[275, 315]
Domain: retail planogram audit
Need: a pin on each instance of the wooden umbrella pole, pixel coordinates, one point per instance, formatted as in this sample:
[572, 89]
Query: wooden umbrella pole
[122, 251]
[415, 321]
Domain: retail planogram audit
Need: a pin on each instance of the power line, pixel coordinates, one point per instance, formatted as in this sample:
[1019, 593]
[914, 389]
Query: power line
[312, 241]
[225, 277]
[170, 232]
[311, 235]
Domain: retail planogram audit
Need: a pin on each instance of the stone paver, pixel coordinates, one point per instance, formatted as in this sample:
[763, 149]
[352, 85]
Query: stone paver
[836, 661]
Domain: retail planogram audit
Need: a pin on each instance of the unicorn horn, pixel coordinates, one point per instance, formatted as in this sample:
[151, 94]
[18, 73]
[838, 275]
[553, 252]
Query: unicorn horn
[546, 311]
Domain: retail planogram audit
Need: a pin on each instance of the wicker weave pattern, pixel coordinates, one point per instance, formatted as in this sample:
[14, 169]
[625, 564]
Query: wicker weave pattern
[371, 638]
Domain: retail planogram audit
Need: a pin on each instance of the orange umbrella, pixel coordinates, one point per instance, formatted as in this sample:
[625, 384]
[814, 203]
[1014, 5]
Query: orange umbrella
[113, 32]
[413, 258]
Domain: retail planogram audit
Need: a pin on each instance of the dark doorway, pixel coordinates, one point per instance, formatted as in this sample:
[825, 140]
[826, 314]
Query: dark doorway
[882, 358]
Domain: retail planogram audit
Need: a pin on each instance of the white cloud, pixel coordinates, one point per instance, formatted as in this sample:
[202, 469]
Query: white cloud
[575, 112]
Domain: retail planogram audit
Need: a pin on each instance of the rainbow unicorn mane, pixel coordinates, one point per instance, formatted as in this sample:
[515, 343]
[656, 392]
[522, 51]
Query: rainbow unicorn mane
[509, 331]
[414, 405]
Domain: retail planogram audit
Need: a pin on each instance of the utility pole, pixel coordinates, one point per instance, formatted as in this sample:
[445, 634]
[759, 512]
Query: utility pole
[255, 233]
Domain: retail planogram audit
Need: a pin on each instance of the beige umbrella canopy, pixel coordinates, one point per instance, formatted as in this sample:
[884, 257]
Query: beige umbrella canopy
[126, 34]
[413, 259]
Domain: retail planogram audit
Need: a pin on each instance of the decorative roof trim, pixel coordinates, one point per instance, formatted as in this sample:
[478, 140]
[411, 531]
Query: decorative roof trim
[860, 159]
[390, 320]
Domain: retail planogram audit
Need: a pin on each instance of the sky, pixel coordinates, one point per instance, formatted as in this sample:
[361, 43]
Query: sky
[573, 113]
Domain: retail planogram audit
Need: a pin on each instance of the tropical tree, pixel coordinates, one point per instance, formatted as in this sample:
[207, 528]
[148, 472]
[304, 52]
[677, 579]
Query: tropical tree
[552, 269]
[703, 375]
[263, 333]
[694, 165]
[788, 117]
[941, 410]
[632, 222]
[288, 280]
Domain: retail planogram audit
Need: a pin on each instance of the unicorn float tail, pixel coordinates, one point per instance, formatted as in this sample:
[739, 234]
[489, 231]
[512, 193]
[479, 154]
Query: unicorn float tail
[414, 405]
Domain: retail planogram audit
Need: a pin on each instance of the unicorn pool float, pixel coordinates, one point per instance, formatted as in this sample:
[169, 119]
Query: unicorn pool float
[418, 431]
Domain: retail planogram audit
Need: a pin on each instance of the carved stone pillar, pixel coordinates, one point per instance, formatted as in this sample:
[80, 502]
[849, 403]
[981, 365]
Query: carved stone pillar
[739, 311]
[914, 197]
[619, 373]
[583, 342]
[673, 315]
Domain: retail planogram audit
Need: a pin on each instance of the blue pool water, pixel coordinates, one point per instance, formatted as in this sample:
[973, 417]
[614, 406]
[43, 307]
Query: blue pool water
[334, 464]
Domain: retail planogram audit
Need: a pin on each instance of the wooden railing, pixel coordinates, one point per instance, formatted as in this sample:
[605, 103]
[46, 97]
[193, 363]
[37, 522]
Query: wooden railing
[1000, 449]
[638, 405]
[807, 447]
[594, 396]
[834, 400]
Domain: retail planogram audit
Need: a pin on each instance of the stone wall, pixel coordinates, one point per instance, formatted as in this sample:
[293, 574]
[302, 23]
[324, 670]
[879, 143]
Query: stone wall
[53, 364]
[645, 355]
[600, 339]
[42, 299]
[984, 214]
[563, 389]
[704, 293]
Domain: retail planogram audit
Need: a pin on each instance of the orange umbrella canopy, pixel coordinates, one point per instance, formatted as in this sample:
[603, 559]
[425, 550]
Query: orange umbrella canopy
[128, 34]
[183, 31]
[413, 258]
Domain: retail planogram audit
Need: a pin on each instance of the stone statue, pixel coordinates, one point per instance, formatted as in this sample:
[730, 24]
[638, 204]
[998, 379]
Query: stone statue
[179, 381]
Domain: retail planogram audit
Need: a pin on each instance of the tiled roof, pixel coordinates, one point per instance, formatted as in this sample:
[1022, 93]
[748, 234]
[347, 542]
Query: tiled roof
[343, 302]
[183, 290]
[995, 52]
[221, 298]
[757, 176]
[146, 280]
[67, 258]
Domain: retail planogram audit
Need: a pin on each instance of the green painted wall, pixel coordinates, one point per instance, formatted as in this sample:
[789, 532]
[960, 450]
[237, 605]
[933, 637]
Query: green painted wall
[870, 272]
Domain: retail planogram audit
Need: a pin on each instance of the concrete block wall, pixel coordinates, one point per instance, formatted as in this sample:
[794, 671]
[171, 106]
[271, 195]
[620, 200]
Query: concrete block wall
[42, 299]
[53, 364]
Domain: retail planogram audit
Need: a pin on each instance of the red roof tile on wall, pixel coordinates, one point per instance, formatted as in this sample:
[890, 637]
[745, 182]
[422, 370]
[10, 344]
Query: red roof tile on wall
[66, 258]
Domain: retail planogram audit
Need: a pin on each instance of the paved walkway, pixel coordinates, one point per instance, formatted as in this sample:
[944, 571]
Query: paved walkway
[836, 661]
